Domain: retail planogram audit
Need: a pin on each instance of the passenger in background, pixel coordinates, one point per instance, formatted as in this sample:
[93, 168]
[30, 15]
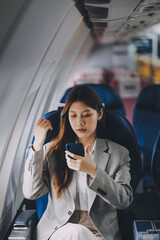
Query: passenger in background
[85, 191]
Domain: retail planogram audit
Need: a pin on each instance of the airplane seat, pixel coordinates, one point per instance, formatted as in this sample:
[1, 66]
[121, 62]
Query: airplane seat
[108, 95]
[155, 163]
[146, 118]
[121, 131]
[111, 99]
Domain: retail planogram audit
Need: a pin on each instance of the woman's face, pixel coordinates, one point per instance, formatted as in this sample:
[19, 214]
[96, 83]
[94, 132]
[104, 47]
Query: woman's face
[83, 120]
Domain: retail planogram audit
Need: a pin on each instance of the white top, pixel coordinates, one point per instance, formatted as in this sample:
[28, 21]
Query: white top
[81, 201]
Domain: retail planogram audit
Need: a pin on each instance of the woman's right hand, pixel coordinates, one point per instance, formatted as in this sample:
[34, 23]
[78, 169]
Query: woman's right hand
[41, 129]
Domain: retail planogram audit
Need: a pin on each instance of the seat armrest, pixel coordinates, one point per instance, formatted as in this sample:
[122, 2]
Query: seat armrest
[24, 225]
[25, 218]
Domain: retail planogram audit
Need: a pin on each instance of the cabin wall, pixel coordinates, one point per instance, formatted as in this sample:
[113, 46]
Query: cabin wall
[34, 68]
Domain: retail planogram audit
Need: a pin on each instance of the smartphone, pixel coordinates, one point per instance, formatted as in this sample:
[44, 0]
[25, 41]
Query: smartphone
[76, 148]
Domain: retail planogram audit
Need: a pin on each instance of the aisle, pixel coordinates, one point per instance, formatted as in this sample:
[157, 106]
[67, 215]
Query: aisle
[129, 106]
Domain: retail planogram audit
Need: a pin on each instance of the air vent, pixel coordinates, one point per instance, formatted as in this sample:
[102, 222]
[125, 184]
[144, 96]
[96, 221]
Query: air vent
[134, 27]
[97, 1]
[97, 12]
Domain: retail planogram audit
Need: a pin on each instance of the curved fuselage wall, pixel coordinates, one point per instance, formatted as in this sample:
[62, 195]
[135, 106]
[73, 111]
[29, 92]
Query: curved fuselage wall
[36, 64]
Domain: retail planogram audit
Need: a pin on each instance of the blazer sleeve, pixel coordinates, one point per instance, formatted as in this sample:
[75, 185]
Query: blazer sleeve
[36, 174]
[115, 190]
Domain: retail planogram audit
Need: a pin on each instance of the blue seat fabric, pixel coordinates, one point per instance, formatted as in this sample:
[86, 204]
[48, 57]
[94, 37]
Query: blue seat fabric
[155, 163]
[146, 121]
[108, 95]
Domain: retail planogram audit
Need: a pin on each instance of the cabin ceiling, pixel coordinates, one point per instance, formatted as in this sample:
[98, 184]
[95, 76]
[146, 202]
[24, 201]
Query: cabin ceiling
[117, 20]
[110, 20]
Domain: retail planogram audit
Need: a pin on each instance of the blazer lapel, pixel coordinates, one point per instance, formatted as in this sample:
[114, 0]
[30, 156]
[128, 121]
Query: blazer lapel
[100, 156]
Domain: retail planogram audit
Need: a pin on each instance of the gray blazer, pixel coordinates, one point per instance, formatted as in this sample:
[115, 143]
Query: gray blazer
[110, 190]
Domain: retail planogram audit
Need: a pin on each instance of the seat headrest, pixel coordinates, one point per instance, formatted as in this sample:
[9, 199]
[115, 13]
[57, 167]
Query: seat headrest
[108, 95]
[149, 98]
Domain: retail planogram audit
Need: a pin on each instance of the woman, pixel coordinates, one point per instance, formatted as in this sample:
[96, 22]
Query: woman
[85, 191]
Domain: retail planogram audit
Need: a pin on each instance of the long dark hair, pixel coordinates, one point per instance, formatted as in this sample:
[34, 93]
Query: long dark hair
[62, 174]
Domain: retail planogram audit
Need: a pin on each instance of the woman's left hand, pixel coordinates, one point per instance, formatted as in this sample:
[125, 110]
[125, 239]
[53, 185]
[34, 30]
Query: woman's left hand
[83, 164]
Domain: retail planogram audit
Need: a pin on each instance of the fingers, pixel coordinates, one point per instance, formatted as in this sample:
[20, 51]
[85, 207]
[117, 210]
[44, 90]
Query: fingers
[44, 123]
[72, 163]
[82, 164]
[73, 155]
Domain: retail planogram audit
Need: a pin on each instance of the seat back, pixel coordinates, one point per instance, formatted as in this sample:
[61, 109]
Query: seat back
[146, 121]
[121, 131]
[155, 163]
[108, 95]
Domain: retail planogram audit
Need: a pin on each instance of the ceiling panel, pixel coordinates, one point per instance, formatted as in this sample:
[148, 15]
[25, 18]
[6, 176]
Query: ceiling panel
[123, 18]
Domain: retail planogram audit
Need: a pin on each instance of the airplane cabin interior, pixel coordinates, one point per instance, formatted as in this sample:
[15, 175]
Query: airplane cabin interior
[47, 48]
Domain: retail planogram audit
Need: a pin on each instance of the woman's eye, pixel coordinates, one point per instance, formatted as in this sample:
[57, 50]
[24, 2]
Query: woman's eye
[87, 115]
[73, 116]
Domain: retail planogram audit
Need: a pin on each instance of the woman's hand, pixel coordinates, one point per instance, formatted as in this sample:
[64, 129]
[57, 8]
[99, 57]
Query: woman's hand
[41, 129]
[83, 164]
